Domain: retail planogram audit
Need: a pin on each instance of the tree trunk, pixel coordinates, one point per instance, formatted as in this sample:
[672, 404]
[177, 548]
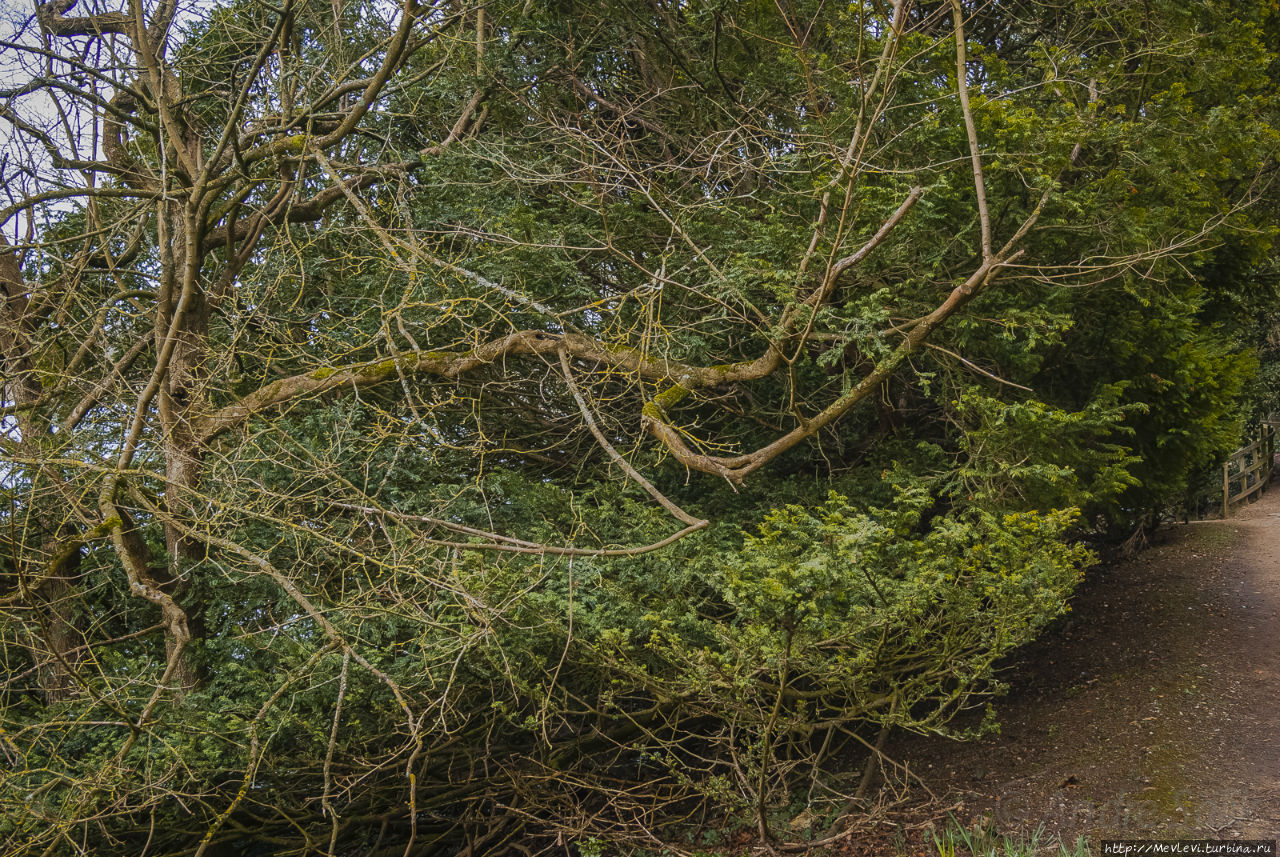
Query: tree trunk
[183, 399]
[47, 576]
[59, 655]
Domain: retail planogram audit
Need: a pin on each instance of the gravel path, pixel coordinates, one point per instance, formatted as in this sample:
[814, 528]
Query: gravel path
[1249, 664]
[1153, 711]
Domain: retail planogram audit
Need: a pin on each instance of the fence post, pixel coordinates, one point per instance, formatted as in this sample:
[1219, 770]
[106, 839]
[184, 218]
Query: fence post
[1271, 451]
[1226, 488]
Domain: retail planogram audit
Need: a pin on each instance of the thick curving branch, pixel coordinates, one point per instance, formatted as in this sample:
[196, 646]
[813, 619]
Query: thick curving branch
[454, 364]
[737, 468]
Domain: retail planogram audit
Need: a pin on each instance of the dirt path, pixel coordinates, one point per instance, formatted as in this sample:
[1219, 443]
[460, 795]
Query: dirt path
[1152, 711]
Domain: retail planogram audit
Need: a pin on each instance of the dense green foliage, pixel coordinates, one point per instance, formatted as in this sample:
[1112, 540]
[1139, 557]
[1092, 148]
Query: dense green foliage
[464, 429]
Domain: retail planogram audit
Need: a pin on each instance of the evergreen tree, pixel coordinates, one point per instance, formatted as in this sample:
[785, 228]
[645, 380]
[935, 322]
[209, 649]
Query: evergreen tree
[440, 427]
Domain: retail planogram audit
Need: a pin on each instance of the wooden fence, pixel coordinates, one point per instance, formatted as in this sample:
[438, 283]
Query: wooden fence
[1248, 470]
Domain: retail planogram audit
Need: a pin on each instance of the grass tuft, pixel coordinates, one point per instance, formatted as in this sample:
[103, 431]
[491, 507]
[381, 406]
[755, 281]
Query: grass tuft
[956, 840]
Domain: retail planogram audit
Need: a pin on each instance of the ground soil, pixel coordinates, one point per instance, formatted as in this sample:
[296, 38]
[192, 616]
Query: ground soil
[1151, 711]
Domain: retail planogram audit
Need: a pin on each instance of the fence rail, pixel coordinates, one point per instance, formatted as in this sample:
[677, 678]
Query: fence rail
[1249, 467]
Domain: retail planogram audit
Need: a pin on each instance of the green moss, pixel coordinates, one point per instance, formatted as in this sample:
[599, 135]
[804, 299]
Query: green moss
[622, 349]
[322, 373]
[670, 397]
[376, 371]
[54, 565]
[657, 409]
